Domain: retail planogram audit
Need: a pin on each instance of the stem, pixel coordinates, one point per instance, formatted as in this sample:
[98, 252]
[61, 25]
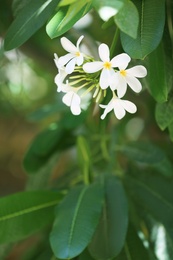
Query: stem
[114, 42]
[104, 140]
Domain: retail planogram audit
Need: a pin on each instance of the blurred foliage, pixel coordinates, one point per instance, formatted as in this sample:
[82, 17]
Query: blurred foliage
[76, 187]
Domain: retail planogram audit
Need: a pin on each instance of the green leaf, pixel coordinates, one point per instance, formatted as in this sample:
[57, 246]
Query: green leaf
[164, 114]
[149, 154]
[127, 19]
[66, 17]
[110, 234]
[28, 21]
[157, 76]
[45, 144]
[46, 111]
[66, 2]
[134, 248]
[24, 213]
[18, 5]
[76, 220]
[150, 30]
[155, 195]
[85, 255]
[142, 152]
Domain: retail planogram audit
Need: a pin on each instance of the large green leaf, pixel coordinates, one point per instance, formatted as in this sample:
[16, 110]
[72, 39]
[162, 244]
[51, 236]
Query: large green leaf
[150, 31]
[127, 19]
[76, 220]
[28, 21]
[110, 234]
[66, 17]
[24, 213]
[148, 154]
[47, 143]
[18, 5]
[133, 248]
[164, 114]
[155, 195]
[157, 76]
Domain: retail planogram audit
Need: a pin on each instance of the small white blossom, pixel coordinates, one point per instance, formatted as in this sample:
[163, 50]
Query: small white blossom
[106, 65]
[119, 106]
[125, 77]
[72, 100]
[76, 98]
[73, 57]
[60, 77]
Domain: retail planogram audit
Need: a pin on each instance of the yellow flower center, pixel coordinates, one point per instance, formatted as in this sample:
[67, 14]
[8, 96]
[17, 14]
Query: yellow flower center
[107, 65]
[123, 72]
[77, 53]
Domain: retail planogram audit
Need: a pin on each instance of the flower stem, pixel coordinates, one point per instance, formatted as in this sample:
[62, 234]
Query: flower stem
[114, 42]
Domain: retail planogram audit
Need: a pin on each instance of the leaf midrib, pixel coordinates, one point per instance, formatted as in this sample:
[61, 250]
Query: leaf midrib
[29, 210]
[75, 217]
[154, 194]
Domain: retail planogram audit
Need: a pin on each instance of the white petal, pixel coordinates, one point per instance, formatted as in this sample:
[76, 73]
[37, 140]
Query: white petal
[108, 108]
[129, 106]
[134, 83]
[79, 60]
[118, 109]
[75, 105]
[79, 41]
[70, 66]
[67, 98]
[66, 58]
[121, 85]
[65, 88]
[137, 71]
[121, 61]
[91, 67]
[68, 45]
[104, 52]
[105, 78]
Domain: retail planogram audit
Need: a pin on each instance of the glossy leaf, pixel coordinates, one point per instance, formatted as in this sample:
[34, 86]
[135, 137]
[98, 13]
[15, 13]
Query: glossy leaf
[110, 234]
[127, 19]
[157, 76]
[28, 21]
[66, 17]
[164, 114]
[150, 30]
[66, 2]
[18, 5]
[24, 213]
[76, 220]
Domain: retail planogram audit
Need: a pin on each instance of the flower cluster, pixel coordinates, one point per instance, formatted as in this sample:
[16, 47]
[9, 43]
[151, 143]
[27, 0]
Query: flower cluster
[80, 78]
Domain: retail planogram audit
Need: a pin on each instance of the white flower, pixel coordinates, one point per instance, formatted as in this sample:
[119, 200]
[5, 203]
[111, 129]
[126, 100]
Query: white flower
[106, 65]
[119, 106]
[72, 100]
[73, 57]
[60, 77]
[129, 77]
